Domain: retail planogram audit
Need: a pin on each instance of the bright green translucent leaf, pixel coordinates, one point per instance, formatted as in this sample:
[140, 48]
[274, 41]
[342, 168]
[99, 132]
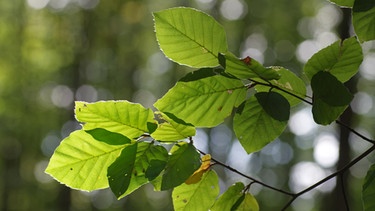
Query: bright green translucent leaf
[229, 197]
[341, 59]
[81, 162]
[343, 3]
[260, 120]
[126, 118]
[289, 82]
[137, 165]
[172, 129]
[364, 19]
[248, 203]
[198, 196]
[246, 68]
[108, 137]
[368, 190]
[190, 37]
[120, 171]
[183, 162]
[330, 98]
[205, 102]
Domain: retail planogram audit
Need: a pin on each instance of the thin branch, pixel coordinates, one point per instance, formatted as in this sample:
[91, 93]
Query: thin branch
[341, 171]
[355, 132]
[343, 191]
[248, 177]
[283, 90]
[310, 103]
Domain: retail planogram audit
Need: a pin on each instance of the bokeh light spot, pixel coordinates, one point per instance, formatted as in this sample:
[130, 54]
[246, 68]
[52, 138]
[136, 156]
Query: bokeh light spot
[232, 9]
[37, 4]
[302, 123]
[87, 93]
[362, 103]
[326, 150]
[62, 96]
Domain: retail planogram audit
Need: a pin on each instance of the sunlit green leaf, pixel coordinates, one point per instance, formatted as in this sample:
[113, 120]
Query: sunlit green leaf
[368, 190]
[246, 68]
[364, 19]
[182, 163]
[248, 203]
[261, 120]
[108, 137]
[137, 165]
[81, 162]
[172, 129]
[341, 59]
[330, 98]
[198, 196]
[190, 37]
[205, 102]
[289, 82]
[229, 197]
[343, 3]
[126, 118]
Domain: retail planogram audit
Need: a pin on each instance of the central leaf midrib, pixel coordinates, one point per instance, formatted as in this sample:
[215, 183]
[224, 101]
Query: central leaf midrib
[184, 35]
[109, 119]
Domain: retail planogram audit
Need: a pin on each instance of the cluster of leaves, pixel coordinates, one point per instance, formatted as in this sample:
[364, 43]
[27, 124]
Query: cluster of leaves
[122, 144]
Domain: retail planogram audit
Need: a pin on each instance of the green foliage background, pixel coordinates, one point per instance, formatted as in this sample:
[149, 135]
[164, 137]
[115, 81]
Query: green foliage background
[107, 50]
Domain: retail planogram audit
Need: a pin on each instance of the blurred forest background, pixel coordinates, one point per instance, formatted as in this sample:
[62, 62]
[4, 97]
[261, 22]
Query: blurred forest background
[54, 52]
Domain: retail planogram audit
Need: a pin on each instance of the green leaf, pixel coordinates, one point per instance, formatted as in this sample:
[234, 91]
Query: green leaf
[205, 102]
[274, 105]
[343, 3]
[120, 171]
[155, 168]
[190, 37]
[246, 68]
[341, 59]
[172, 129]
[368, 190]
[229, 197]
[330, 90]
[182, 163]
[137, 165]
[325, 114]
[202, 73]
[81, 162]
[260, 120]
[126, 118]
[198, 196]
[108, 137]
[249, 203]
[289, 82]
[330, 98]
[364, 19]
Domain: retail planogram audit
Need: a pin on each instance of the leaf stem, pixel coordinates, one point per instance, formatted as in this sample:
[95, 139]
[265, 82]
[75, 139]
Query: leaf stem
[283, 90]
[310, 103]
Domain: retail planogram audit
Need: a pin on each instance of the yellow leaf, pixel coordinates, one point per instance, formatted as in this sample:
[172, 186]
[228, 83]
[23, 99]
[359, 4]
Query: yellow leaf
[197, 175]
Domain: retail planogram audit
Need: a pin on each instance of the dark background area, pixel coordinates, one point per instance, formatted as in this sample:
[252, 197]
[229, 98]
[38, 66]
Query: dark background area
[53, 52]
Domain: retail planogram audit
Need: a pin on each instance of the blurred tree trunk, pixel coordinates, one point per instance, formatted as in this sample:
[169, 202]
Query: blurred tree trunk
[339, 198]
